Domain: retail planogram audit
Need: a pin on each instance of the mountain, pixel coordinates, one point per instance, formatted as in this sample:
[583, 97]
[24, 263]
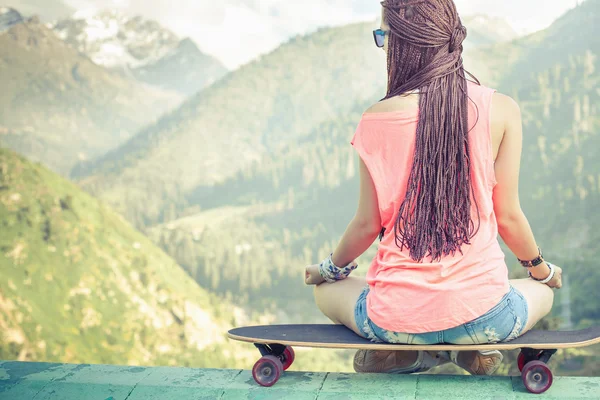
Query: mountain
[517, 62]
[553, 74]
[253, 111]
[58, 107]
[140, 48]
[485, 30]
[558, 95]
[78, 284]
[112, 39]
[8, 18]
[257, 230]
[46, 10]
[184, 69]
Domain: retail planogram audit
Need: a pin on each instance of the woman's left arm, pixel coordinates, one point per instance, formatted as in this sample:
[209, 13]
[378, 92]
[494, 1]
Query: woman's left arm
[361, 231]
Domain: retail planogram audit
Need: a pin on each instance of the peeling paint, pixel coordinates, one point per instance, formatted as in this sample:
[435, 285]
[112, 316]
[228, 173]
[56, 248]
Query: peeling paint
[31, 380]
[17, 371]
[136, 370]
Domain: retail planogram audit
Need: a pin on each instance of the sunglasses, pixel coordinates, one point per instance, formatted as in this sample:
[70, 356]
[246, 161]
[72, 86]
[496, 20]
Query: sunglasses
[379, 36]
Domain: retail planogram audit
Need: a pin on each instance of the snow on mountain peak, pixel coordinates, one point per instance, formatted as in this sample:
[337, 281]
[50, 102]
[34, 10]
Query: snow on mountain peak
[8, 18]
[115, 40]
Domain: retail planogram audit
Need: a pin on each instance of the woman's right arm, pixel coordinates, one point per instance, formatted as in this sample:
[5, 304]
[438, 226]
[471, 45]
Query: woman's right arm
[513, 225]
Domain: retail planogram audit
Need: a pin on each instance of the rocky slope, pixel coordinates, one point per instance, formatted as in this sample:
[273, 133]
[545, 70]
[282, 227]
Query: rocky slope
[8, 18]
[140, 48]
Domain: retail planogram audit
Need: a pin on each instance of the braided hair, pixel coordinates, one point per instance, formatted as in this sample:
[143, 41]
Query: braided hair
[425, 54]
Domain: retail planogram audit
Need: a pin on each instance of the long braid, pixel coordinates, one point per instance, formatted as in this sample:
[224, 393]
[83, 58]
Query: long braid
[425, 47]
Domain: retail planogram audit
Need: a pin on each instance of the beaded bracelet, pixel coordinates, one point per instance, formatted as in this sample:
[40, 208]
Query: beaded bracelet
[533, 263]
[332, 273]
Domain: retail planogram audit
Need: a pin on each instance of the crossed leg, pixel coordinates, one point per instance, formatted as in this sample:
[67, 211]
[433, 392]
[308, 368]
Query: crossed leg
[338, 300]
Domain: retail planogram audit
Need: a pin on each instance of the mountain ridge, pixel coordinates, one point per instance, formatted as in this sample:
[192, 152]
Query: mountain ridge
[183, 130]
[140, 48]
[218, 131]
[8, 18]
[57, 106]
[485, 30]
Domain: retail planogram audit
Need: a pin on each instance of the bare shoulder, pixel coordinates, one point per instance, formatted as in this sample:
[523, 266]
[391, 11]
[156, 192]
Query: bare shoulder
[505, 107]
[397, 103]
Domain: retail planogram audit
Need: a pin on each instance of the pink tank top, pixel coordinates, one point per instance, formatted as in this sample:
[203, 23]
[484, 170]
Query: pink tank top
[410, 297]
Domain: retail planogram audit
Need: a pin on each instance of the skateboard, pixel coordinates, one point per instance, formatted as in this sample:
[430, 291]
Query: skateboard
[275, 345]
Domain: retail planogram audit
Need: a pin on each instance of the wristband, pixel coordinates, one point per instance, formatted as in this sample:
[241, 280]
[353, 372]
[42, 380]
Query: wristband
[550, 276]
[332, 273]
[533, 263]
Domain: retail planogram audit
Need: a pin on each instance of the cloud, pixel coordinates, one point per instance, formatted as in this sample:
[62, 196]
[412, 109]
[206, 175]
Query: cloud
[256, 27]
[524, 16]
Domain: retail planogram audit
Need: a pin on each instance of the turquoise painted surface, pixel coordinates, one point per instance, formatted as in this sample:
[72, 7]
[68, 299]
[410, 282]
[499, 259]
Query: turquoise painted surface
[41, 381]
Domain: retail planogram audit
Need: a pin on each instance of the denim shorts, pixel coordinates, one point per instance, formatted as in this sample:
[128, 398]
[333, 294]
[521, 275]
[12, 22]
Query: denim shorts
[503, 323]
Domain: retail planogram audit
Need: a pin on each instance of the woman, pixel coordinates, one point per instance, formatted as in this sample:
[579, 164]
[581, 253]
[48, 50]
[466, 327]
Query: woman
[439, 171]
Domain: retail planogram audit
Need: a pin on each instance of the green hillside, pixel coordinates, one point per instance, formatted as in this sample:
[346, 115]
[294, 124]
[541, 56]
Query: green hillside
[271, 220]
[78, 284]
[58, 107]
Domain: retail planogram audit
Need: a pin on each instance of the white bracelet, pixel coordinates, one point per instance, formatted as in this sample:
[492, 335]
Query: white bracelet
[550, 276]
[332, 273]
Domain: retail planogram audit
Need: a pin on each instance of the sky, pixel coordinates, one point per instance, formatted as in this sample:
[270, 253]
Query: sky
[237, 31]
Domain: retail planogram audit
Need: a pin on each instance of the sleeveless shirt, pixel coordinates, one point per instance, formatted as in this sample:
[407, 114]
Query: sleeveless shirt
[408, 296]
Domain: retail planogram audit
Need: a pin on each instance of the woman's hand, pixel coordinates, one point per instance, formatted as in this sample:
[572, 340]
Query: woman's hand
[556, 281]
[312, 275]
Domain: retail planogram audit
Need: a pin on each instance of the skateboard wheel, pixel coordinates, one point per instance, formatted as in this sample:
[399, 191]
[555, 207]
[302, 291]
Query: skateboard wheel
[267, 370]
[522, 360]
[288, 357]
[536, 376]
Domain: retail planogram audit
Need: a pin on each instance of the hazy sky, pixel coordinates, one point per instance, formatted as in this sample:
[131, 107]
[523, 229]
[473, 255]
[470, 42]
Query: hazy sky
[236, 31]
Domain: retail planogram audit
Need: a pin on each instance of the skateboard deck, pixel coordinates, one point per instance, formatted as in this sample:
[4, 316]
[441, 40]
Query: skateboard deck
[340, 337]
[275, 345]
